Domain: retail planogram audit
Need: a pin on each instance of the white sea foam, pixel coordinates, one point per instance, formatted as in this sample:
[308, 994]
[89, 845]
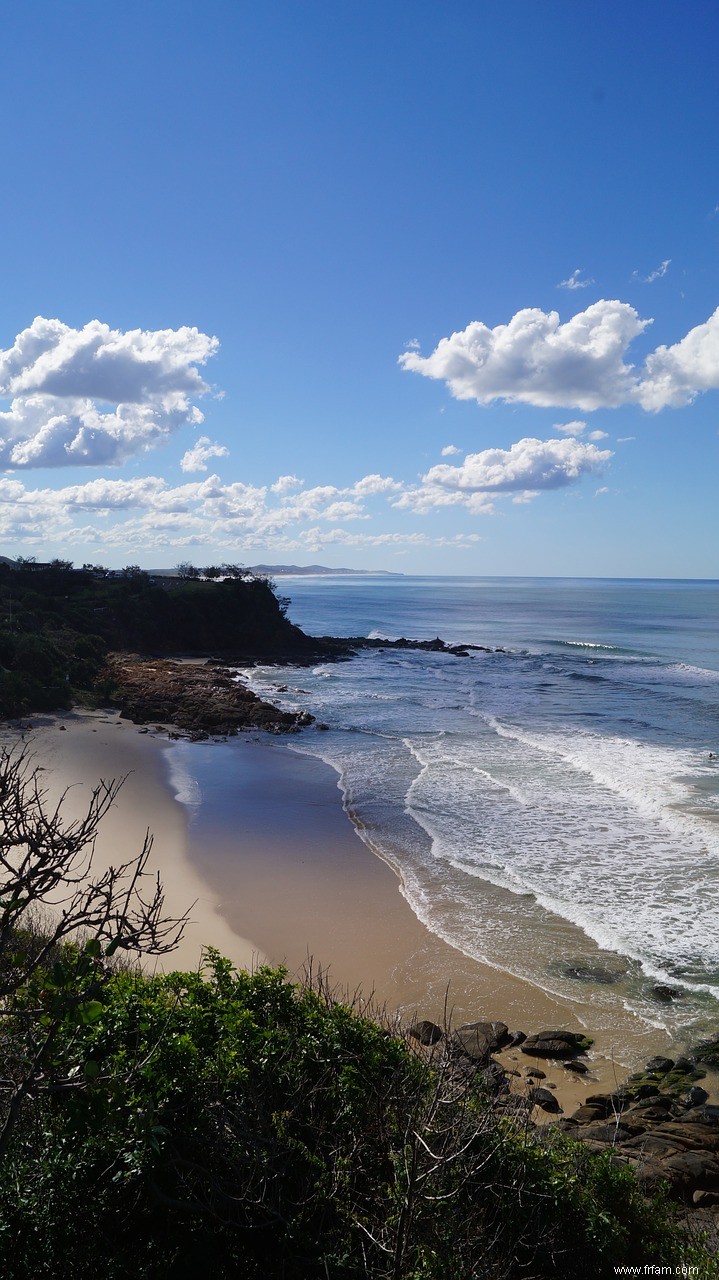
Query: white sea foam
[183, 782]
[512, 796]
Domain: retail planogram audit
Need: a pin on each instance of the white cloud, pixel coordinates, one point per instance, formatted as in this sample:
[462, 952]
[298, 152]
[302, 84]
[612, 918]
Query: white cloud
[675, 375]
[374, 484]
[449, 450]
[604, 489]
[528, 464]
[570, 428]
[523, 471]
[96, 396]
[196, 459]
[537, 360]
[598, 435]
[285, 484]
[575, 281]
[580, 364]
[657, 274]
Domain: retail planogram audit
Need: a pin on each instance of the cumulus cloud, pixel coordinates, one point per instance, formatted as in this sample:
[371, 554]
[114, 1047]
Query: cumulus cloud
[528, 464]
[575, 281]
[537, 360]
[374, 484]
[570, 428]
[96, 395]
[285, 484]
[520, 472]
[675, 375]
[598, 435]
[449, 450]
[534, 359]
[196, 459]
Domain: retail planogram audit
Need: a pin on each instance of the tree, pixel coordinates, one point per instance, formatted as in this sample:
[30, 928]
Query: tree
[187, 570]
[61, 922]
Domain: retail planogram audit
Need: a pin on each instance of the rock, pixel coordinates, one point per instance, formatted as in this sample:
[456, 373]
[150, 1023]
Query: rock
[705, 1199]
[696, 1096]
[545, 1099]
[653, 1144]
[652, 1108]
[204, 697]
[62, 728]
[683, 1064]
[707, 1052]
[426, 1032]
[518, 1038]
[479, 1039]
[660, 1065]
[587, 1114]
[588, 972]
[690, 1171]
[536, 1074]
[579, 1067]
[645, 1091]
[667, 995]
[611, 1133]
[555, 1044]
[496, 1078]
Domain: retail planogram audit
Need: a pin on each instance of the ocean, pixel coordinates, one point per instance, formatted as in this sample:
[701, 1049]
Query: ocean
[551, 806]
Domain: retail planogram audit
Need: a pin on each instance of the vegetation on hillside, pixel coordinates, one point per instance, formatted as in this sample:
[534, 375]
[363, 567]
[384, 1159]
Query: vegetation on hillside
[239, 1125]
[57, 625]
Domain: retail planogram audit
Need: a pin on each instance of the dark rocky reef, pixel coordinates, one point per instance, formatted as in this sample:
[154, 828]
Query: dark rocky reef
[349, 646]
[659, 1123]
[199, 698]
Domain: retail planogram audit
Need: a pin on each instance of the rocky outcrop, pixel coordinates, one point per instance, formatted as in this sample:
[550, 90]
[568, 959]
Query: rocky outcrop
[659, 1123]
[654, 1124]
[201, 699]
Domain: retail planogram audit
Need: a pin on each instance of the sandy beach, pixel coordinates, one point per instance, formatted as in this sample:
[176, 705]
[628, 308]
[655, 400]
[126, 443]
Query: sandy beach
[277, 872]
[77, 750]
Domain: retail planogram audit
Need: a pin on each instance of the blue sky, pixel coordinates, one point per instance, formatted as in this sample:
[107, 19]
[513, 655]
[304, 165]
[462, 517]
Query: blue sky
[285, 255]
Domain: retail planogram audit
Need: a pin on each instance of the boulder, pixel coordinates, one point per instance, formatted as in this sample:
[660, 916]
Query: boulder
[555, 1044]
[660, 1065]
[573, 1065]
[690, 1171]
[591, 1110]
[707, 1052]
[588, 972]
[479, 1039]
[696, 1096]
[705, 1199]
[426, 1032]
[609, 1133]
[665, 994]
[517, 1038]
[545, 1099]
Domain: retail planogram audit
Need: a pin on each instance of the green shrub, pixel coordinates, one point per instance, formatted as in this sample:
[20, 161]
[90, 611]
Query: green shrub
[238, 1125]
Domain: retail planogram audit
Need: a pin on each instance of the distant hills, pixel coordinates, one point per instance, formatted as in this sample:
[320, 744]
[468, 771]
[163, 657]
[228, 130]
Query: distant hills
[320, 570]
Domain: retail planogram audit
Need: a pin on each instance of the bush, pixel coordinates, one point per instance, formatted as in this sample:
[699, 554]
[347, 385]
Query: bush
[238, 1125]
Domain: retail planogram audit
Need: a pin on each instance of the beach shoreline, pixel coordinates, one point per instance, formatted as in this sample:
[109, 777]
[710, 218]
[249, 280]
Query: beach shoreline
[76, 750]
[277, 873]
